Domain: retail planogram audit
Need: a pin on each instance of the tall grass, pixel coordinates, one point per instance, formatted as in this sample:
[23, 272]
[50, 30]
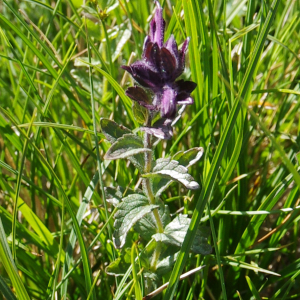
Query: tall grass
[60, 72]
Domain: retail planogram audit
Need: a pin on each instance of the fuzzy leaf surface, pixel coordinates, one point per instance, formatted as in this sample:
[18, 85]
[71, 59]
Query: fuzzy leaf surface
[112, 130]
[189, 157]
[175, 232]
[184, 158]
[126, 146]
[130, 210]
[114, 195]
[146, 227]
[170, 170]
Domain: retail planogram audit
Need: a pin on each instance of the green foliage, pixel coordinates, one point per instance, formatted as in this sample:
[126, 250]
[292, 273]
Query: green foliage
[147, 227]
[112, 130]
[126, 146]
[63, 60]
[130, 210]
[171, 169]
[175, 233]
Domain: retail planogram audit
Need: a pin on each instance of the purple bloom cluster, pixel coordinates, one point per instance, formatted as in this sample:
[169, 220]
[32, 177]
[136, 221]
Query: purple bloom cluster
[161, 64]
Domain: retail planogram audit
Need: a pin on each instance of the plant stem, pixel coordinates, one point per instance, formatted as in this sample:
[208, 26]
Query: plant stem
[149, 193]
[146, 181]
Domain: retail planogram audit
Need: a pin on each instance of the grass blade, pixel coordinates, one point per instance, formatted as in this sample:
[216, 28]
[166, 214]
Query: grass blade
[5, 290]
[204, 196]
[10, 267]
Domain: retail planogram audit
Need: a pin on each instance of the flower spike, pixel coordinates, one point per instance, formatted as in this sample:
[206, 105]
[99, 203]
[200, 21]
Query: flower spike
[160, 66]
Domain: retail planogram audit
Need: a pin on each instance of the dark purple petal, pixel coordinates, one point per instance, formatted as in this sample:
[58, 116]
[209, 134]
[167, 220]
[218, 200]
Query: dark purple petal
[181, 60]
[127, 68]
[145, 74]
[171, 45]
[148, 51]
[161, 129]
[185, 86]
[142, 66]
[168, 63]
[152, 55]
[168, 104]
[157, 27]
[183, 50]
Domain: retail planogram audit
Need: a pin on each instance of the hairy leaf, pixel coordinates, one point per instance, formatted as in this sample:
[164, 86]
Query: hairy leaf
[126, 146]
[175, 232]
[114, 195]
[130, 210]
[160, 184]
[138, 161]
[171, 170]
[146, 227]
[189, 157]
[112, 130]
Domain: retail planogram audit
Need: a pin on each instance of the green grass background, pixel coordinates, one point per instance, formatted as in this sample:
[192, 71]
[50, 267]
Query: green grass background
[60, 72]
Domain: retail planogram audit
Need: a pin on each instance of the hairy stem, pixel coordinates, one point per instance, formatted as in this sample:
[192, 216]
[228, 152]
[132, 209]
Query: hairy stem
[149, 192]
[147, 183]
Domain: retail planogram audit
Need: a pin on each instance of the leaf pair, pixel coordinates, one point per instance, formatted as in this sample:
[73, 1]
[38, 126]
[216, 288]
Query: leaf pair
[125, 144]
[136, 210]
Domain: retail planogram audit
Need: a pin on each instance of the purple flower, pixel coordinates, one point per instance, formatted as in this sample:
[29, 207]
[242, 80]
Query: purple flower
[161, 64]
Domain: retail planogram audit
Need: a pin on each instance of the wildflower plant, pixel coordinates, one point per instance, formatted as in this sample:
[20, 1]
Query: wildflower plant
[59, 70]
[156, 96]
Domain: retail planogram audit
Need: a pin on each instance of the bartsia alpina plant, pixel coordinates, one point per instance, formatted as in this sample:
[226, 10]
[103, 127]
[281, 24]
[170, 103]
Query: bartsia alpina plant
[161, 64]
[158, 93]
